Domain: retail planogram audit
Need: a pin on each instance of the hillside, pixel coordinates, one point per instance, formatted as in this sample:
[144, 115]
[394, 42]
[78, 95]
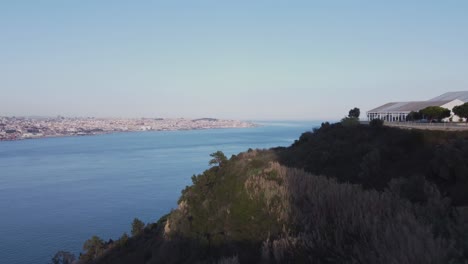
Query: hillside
[339, 194]
[377, 156]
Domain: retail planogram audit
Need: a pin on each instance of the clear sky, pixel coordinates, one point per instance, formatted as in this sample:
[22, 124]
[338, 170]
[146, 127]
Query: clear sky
[227, 59]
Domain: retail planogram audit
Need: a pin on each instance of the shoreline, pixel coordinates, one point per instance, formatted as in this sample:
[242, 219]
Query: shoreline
[252, 125]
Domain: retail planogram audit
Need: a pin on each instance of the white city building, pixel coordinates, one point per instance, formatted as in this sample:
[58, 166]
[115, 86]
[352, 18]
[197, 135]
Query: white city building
[398, 111]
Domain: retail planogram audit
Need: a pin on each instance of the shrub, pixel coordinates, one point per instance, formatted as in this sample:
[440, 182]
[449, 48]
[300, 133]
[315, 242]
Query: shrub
[63, 257]
[92, 248]
[123, 240]
[376, 122]
[137, 227]
[350, 121]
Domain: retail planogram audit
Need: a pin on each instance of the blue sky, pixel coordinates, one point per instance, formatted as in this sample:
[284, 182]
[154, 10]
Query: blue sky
[227, 59]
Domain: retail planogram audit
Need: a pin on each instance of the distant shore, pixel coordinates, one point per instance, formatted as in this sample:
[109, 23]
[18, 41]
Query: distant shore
[19, 128]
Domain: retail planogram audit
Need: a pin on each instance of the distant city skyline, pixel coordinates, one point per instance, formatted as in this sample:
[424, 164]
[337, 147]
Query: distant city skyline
[247, 60]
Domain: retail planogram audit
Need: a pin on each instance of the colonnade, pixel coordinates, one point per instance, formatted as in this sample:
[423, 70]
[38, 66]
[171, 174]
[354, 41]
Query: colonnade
[389, 117]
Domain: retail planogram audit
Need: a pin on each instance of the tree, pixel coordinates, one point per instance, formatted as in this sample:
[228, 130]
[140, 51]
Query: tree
[355, 112]
[461, 111]
[413, 116]
[63, 257]
[123, 240]
[435, 112]
[92, 248]
[137, 227]
[218, 158]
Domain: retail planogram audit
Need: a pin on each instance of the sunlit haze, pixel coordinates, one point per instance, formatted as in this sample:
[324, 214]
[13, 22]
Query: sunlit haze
[227, 59]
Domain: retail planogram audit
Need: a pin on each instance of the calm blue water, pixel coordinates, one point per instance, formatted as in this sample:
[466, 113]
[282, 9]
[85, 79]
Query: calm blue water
[57, 192]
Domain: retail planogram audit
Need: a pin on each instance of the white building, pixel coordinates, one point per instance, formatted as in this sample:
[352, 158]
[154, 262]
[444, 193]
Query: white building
[398, 111]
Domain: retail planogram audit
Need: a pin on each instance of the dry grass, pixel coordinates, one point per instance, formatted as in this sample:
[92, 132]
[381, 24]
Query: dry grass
[341, 223]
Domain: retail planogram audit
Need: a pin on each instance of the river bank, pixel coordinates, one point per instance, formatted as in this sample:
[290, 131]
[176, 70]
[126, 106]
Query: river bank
[13, 128]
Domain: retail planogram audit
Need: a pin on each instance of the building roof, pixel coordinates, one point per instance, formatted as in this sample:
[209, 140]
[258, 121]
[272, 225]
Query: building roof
[450, 96]
[408, 106]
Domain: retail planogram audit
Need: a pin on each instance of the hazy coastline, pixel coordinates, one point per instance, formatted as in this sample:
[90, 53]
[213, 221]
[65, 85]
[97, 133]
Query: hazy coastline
[19, 128]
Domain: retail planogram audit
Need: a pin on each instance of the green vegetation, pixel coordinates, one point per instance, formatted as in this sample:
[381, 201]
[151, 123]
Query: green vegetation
[218, 158]
[350, 121]
[376, 123]
[430, 113]
[353, 118]
[354, 113]
[63, 257]
[435, 112]
[373, 157]
[386, 195]
[214, 191]
[137, 227]
[93, 248]
[414, 116]
[461, 111]
[122, 241]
